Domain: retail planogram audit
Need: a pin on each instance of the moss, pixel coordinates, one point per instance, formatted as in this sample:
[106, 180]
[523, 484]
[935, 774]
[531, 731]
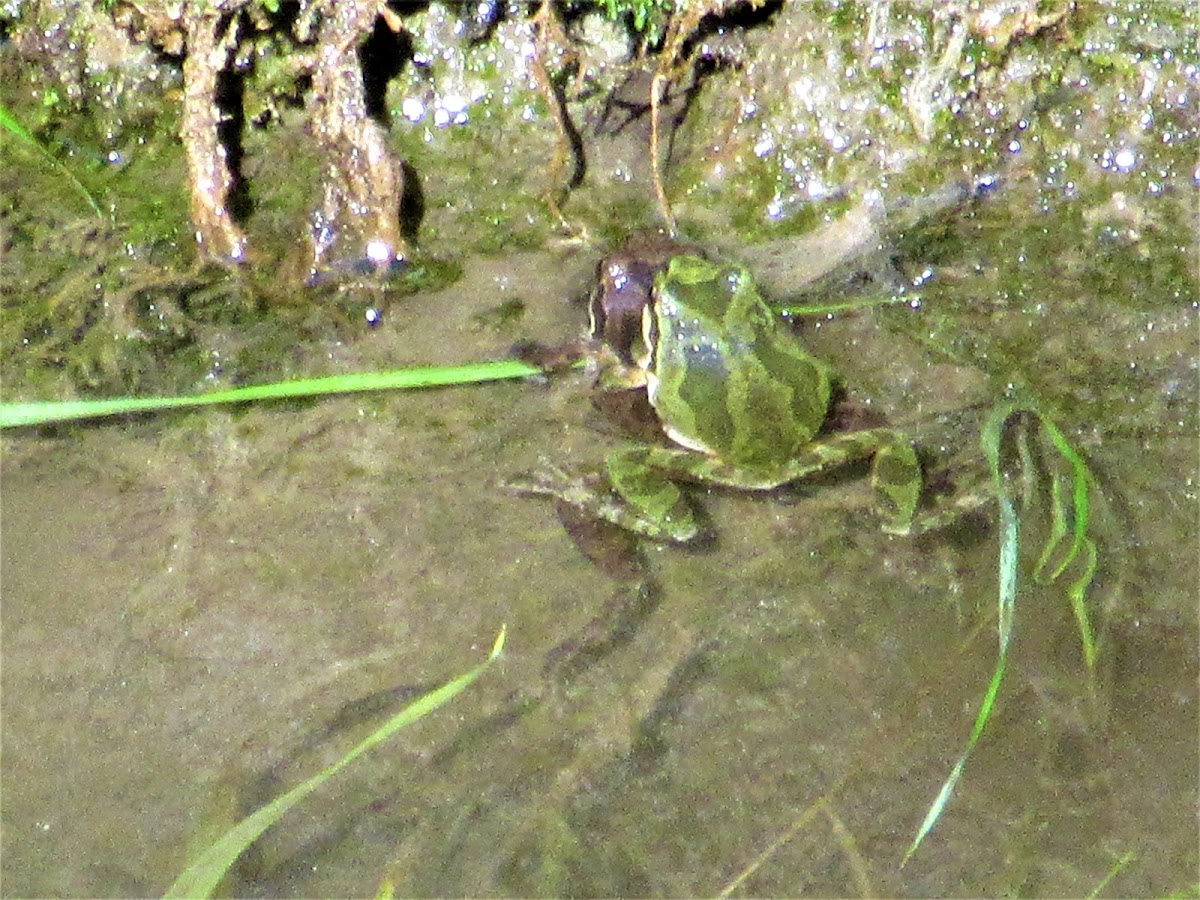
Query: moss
[647, 17]
[70, 285]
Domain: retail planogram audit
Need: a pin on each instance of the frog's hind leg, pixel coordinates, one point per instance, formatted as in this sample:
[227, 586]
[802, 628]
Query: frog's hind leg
[895, 469]
[896, 477]
[965, 494]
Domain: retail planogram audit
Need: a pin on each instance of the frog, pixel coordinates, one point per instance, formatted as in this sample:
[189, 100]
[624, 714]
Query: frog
[739, 402]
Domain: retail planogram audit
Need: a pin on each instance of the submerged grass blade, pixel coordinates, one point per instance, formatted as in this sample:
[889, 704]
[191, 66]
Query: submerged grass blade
[1009, 553]
[9, 123]
[1059, 515]
[1117, 868]
[1083, 619]
[203, 875]
[44, 413]
[822, 309]
[1078, 515]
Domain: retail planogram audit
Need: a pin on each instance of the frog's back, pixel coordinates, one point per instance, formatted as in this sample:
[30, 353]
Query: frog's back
[733, 381]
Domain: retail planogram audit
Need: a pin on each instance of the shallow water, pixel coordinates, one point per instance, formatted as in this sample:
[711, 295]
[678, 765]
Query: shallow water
[201, 610]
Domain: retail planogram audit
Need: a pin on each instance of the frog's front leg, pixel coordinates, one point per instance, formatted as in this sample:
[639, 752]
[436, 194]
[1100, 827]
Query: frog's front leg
[960, 494]
[631, 493]
[644, 499]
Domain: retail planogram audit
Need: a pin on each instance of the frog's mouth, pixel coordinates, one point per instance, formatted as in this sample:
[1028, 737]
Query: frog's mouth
[649, 348]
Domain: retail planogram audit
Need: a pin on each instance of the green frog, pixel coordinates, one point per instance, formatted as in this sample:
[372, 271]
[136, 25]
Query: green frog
[739, 399]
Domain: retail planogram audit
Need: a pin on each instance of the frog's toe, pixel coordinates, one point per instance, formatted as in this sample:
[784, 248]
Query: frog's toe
[547, 479]
[896, 475]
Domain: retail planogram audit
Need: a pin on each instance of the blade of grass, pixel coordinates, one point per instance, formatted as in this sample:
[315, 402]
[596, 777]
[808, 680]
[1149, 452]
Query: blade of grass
[1083, 620]
[1059, 514]
[10, 124]
[1117, 867]
[1010, 524]
[43, 413]
[827, 308]
[1081, 505]
[990, 440]
[1081, 498]
[203, 875]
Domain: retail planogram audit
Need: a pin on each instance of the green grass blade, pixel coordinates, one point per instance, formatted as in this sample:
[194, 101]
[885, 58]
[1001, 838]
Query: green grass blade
[1083, 620]
[1081, 543]
[1066, 518]
[1117, 868]
[822, 309]
[203, 875]
[1010, 531]
[1027, 467]
[1009, 553]
[9, 123]
[1058, 526]
[42, 413]
[1080, 500]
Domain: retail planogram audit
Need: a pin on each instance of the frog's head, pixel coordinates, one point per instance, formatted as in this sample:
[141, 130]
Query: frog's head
[624, 290]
